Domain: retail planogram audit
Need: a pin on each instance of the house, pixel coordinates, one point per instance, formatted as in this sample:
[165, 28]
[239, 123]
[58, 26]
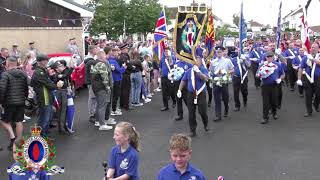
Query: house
[254, 26]
[50, 23]
[293, 19]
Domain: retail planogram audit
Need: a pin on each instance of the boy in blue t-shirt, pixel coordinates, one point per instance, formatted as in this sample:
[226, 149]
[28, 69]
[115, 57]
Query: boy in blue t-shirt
[180, 168]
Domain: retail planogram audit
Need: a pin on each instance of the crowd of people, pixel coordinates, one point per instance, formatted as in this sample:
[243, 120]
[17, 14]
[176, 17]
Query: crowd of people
[123, 76]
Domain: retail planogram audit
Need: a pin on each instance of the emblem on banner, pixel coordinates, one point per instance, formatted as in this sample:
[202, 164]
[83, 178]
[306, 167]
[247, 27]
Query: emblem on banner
[190, 21]
[35, 153]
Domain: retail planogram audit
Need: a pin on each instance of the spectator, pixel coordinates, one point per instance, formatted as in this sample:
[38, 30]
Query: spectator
[3, 57]
[13, 92]
[15, 51]
[72, 47]
[32, 48]
[136, 79]
[43, 87]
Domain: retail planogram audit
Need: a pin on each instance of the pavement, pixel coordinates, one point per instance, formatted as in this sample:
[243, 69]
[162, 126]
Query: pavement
[238, 147]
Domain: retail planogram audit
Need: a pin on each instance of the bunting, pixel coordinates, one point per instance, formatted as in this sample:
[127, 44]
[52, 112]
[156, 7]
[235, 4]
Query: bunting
[43, 19]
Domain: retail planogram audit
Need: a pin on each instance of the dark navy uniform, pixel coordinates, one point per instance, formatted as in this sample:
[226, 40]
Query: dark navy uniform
[196, 88]
[269, 87]
[311, 83]
[185, 66]
[290, 55]
[255, 57]
[167, 86]
[240, 81]
[296, 64]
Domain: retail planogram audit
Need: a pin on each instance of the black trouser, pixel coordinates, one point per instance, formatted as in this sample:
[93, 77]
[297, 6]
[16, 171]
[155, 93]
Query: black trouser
[269, 99]
[125, 91]
[183, 97]
[218, 93]
[62, 111]
[209, 90]
[291, 73]
[116, 94]
[311, 90]
[167, 91]
[202, 109]
[257, 81]
[237, 87]
[279, 95]
[300, 88]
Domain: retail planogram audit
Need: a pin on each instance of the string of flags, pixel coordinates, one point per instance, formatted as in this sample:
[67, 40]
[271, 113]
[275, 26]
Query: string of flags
[44, 19]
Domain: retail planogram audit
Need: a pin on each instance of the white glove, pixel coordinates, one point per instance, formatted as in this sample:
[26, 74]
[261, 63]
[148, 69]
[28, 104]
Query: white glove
[196, 68]
[278, 51]
[179, 94]
[278, 81]
[299, 82]
[60, 76]
[113, 68]
[243, 57]
[291, 57]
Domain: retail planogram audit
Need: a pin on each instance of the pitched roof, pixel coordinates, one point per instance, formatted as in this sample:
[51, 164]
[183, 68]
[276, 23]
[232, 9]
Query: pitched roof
[315, 28]
[255, 24]
[70, 4]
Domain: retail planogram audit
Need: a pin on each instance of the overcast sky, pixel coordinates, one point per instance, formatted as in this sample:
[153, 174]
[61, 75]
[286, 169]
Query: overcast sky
[262, 11]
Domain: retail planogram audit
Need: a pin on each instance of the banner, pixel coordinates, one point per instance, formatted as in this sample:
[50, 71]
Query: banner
[187, 34]
[279, 26]
[210, 35]
[243, 31]
[160, 33]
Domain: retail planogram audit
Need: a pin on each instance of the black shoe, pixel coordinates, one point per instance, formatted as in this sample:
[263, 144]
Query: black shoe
[178, 118]
[206, 128]
[173, 105]
[237, 109]
[92, 119]
[209, 104]
[316, 108]
[52, 126]
[264, 121]
[217, 119]
[225, 114]
[291, 89]
[193, 134]
[307, 115]
[1, 148]
[164, 109]
[301, 95]
[275, 117]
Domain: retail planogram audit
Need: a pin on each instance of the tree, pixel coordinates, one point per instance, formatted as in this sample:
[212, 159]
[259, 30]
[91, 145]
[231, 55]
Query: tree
[140, 16]
[109, 18]
[224, 31]
[236, 19]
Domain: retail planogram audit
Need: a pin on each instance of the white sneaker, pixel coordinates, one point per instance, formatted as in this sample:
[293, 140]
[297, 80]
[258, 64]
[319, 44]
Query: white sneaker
[143, 97]
[105, 127]
[147, 100]
[97, 124]
[26, 117]
[140, 104]
[118, 113]
[149, 96]
[113, 113]
[24, 121]
[118, 109]
[110, 121]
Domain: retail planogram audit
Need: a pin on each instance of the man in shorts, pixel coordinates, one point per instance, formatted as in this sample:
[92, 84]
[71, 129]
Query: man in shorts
[13, 92]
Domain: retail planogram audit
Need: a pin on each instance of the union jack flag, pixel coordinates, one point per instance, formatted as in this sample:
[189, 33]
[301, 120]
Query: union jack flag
[160, 33]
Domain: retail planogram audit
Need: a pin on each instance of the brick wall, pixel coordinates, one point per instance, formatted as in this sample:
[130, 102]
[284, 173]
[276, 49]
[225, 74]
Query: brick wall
[47, 40]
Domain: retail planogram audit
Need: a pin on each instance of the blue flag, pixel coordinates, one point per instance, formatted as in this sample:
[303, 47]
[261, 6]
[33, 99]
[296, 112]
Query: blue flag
[70, 114]
[279, 26]
[243, 31]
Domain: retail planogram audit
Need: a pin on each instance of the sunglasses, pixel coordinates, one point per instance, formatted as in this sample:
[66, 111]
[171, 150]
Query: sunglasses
[269, 56]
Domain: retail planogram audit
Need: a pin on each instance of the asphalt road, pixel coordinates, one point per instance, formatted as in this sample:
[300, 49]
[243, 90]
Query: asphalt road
[238, 148]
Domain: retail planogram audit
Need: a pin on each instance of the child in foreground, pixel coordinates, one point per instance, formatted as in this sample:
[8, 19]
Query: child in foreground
[123, 160]
[180, 168]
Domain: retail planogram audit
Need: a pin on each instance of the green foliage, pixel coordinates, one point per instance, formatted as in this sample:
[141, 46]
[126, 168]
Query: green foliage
[236, 19]
[140, 17]
[224, 31]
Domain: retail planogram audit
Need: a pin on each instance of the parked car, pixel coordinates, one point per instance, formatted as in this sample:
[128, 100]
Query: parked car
[78, 74]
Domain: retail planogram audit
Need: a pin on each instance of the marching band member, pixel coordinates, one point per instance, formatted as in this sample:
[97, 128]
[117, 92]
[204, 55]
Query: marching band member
[296, 64]
[310, 71]
[290, 55]
[240, 80]
[271, 74]
[196, 78]
[255, 57]
[220, 69]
